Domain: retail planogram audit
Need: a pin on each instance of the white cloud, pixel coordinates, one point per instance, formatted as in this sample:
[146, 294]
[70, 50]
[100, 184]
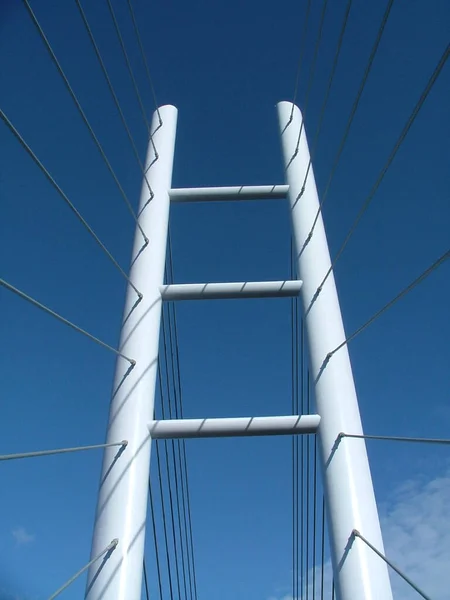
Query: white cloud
[22, 536]
[416, 531]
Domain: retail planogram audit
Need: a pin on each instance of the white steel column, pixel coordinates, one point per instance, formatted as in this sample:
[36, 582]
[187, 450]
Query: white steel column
[359, 573]
[122, 501]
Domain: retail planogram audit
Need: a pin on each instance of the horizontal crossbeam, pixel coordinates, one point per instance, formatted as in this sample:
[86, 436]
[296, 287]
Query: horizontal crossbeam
[223, 291]
[233, 427]
[242, 192]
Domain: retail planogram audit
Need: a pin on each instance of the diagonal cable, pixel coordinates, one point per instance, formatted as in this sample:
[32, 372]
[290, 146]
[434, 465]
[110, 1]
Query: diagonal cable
[83, 116]
[106, 553]
[133, 79]
[403, 293]
[51, 312]
[40, 453]
[300, 59]
[399, 142]
[358, 98]
[414, 586]
[323, 109]
[312, 71]
[397, 438]
[144, 58]
[127, 61]
[64, 196]
[114, 95]
[382, 310]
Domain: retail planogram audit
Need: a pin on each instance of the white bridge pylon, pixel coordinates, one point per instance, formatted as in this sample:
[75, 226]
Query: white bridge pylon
[122, 500]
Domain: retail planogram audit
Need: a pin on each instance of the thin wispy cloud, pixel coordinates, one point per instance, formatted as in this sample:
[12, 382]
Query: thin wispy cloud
[416, 531]
[22, 537]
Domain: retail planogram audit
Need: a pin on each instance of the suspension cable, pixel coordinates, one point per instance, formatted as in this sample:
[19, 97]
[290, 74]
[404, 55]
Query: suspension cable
[144, 58]
[294, 442]
[308, 490]
[174, 462]
[183, 445]
[39, 453]
[191, 539]
[169, 486]
[147, 593]
[83, 116]
[412, 117]
[114, 95]
[127, 61]
[391, 303]
[163, 509]
[322, 552]
[52, 313]
[66, 199]
[302, 461]
[300, 59]
[176, 379]
[312, 71]
[415, 587]
[314, 549]
[155, 539]
[106, 552]
[324, 106]
[362, 85]
[397, 438]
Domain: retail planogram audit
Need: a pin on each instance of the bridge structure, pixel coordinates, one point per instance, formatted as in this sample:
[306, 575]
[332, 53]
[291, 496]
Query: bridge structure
[347, 483]
[116, 569]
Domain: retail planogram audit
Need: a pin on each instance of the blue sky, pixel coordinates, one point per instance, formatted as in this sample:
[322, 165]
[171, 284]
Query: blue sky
[224, 65]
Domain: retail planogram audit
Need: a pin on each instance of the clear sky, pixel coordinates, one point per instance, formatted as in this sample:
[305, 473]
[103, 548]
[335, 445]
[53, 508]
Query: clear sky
[224, 65]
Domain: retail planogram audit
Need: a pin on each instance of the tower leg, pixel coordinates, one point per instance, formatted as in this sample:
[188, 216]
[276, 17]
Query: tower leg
[122, 500]
[359, 574]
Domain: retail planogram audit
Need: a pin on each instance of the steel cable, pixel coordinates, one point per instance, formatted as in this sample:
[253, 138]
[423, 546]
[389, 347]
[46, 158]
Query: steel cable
[437, 263]
[114, 95]
[412, 117]
[57, 316]
[300, 60]
[144, 58]
[183, 445]
[323, 109]
[362, 85]
[174, 462]
[155, 539]
[133, 79]
[83, 116]
[176, 379]
[166, 537]
[312, 71]
[169, 486]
